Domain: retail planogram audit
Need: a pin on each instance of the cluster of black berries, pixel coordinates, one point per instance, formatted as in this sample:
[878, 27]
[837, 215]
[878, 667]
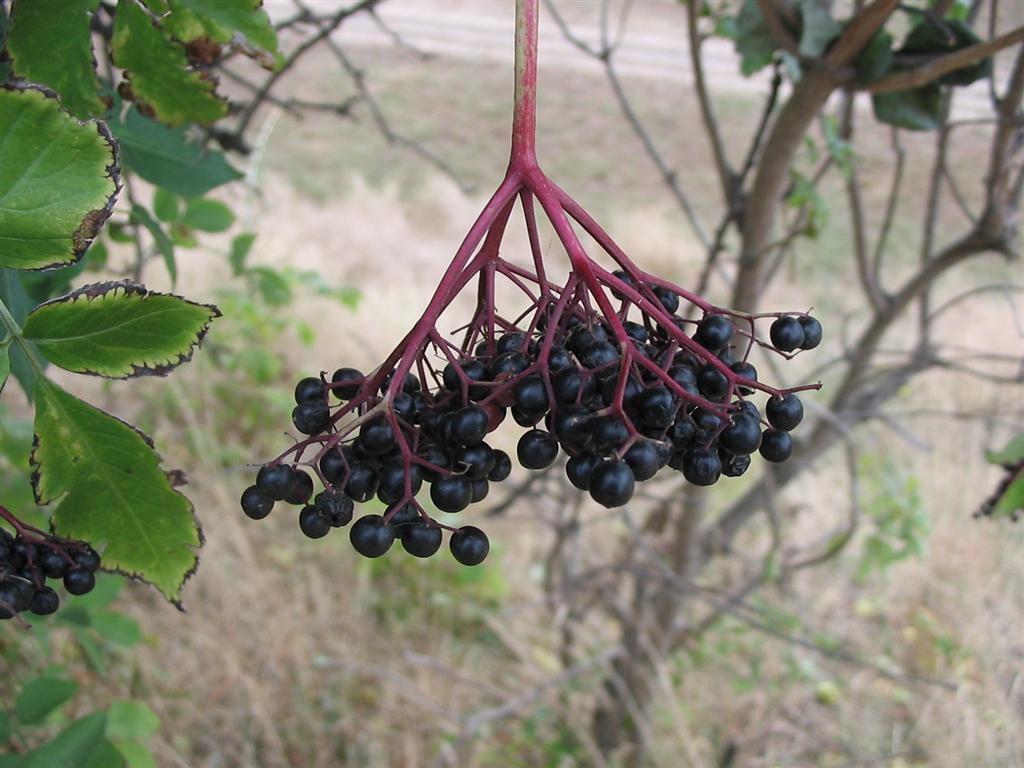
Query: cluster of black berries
[26, 564]
[622, 398]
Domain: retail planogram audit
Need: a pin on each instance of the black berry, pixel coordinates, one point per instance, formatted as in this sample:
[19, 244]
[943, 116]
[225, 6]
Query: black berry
[469, 545]
[371, 536]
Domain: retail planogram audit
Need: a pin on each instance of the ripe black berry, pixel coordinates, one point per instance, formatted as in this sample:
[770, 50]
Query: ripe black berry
[784, 413]
[376, 436]
[79, 581]
[55, 564]
[312, 417]
[502, 467]
[776, 446]
[644, 458]
[392, 476]
[275, 481]
[310, 390]
[44, 602]
[301, 488]
[713, 332]
[452, 494]
[336, 505]
[734, 464]
[747, 371]
[537, 449]
[609, 432]
[480, 489]
[669, 299]
[682, 433]
[314, 523]
[711, 382]
[332, 465]
[421, 539]
[742, 436]
[612, 483]
[88, 559]
[656, 407]
[371, 536]
[468, 425]
[255, 504]
[579, 469]
[530, 394]
[787, 333]
[812, 332]
[469, 545]
[478, 460]
[701, 466]
[346, 383]
[362, 482]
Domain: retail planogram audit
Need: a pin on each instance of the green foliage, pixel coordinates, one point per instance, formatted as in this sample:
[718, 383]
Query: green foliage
[919, 109]
[73, 747]
[191, 20]
[118, 330]
[754, 41]
[110, 489]
[158, 71]
[208, 215]
[900, 519]
[1008, 500]
[819, 28]
[50, 43]
[164, 244]
[164, 156]
[43, 223]
[40, 696]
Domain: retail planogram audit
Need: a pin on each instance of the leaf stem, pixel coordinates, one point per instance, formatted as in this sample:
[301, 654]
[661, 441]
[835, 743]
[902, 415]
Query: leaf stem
[14, 334]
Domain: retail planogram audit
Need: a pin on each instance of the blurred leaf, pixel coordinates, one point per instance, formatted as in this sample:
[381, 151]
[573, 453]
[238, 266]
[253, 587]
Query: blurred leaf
[917, 109]
[39, 697]
[208, 215]
[165, 157]
[106, 756]
[166, 205]
[240, 247]
[72, 747]
[120, 233]
[50, 43]
[5, 363]
[13, 294]
[158, 72]
[940, 39]
[111, 491]
[140, 215]
[96, 257]
[117, 628]
[1011, 453]
[840, 150]
[876, 59]
[137, 755]
[119, 330]
[754, 41]
[221, 21]
[58, 181]
[108, 587]
[131, 720]
[183, 236]
[819, 28]
[5, 728]
[272, 285]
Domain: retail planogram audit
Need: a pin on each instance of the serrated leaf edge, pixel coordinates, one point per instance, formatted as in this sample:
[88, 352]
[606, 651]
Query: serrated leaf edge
[99, 290]
[82, 237]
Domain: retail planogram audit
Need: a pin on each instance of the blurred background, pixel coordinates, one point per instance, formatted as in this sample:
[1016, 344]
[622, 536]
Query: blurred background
[857, 614]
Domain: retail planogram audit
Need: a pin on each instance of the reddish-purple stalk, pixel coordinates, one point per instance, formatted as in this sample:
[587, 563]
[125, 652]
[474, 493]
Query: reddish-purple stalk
[33, 535]
[524, 180]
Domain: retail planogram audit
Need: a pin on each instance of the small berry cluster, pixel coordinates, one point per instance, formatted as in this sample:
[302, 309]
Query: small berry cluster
[623, 393]
[28, 558]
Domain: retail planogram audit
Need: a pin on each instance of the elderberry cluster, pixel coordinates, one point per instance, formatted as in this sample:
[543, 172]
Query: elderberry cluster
[26, 564]
[623, 398]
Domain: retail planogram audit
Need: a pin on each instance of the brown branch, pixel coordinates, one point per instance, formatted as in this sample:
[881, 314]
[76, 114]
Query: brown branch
[772, 19]
[726, 175]
[943, 65]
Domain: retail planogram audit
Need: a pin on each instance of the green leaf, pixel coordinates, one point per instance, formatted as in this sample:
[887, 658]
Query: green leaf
[240, 247]
[5, 728]
[1010, 501]
[166, 205]
[117, 628]
[164, 156]
[131, 720]
[221, 21]
[754, 41]
[119, 330]
[819, 28]
[13, 294]
[39, 697]
[157, 70]
[208, 215]
[58, 181]
[5, 364]
[106, 755]
[1011, 453]
[111, 491]
[917, 109]
[50, 43]
[876, 59]
[941, 39]
[164, 244]
[272, 285]
[136, 755]
[71, 748]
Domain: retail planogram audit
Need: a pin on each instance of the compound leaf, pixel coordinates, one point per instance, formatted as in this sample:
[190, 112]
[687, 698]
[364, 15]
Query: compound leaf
[158, 72]
[39, 697]
[119, 330]
[165, 157]
[110, 490]
[58, 180]
[50, 43]
[221, 21]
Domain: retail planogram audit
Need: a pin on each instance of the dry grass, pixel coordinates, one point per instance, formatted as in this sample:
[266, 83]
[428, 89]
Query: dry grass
[299, 653]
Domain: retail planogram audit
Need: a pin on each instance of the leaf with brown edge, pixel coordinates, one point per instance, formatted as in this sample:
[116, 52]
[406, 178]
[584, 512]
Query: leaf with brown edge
[59, 179]
[110, 490]
[119, 330]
